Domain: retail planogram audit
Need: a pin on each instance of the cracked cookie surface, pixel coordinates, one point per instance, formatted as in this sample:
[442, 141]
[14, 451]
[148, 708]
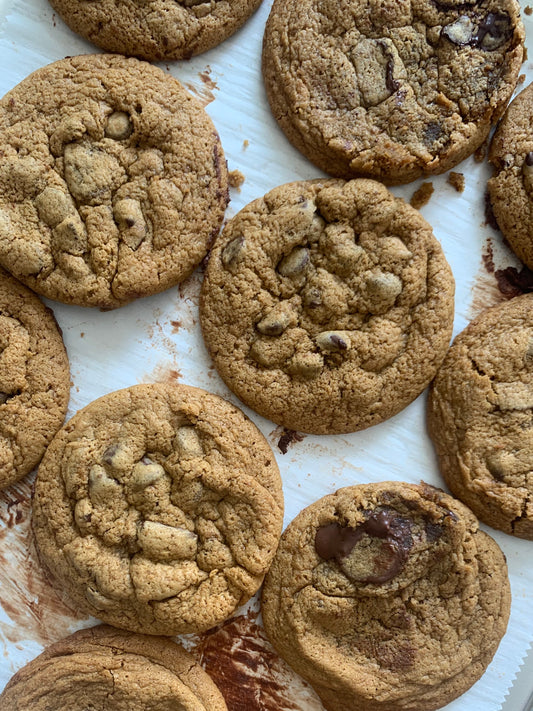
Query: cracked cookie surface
[155, 29]
[327, 306]
[511, 186]
[34, 379]
[104, 668]
[158, 509]
[113, 181]
[387, 596]
[390, 89]
[480, 416]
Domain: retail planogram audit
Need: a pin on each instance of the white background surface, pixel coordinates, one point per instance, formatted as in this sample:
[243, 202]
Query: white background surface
[159, 338]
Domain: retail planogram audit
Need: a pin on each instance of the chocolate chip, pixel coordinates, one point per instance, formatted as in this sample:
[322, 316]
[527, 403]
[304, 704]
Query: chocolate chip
[388, 555]
[294, 262]
[493, 32]
[529, 158]
[332, 341]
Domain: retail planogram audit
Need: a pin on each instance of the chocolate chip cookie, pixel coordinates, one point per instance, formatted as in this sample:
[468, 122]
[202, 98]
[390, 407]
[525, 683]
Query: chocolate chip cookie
[156, 30]
[112, 181]
[34, 379]
[104, 668]
[327, 306]
[390, 89]
[480, 416]
[511, 187]
[158, 509]
[387, 596]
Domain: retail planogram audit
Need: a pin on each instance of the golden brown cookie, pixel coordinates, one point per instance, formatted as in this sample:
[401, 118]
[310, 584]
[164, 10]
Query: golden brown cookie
[112, 182]
[104, 668]
[387, 596]
[390, 89]
[511, 186]
[480, 416]
[34, 379]
[158, 508]
[327, 306]
[156, 30]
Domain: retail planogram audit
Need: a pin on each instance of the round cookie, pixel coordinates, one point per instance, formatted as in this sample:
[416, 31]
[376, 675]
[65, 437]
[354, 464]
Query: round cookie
[156, 30]
[34, 379]
[511, 186]
[479, 416]
[327, 306]
[387, 596]
[390, 89]
[158, 509]
[104, 668]
[113, 181]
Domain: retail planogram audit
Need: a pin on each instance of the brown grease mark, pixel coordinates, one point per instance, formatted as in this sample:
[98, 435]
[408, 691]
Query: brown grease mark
[33, 606]
[285, 438]
[485, 291]
[176, 325]
[250, 675]
[422, 196]
[164, 373]
[204, 93]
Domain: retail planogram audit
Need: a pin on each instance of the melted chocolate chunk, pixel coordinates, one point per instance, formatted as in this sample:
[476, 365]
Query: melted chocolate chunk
[390, 82]
[337, 542]
[493, 31]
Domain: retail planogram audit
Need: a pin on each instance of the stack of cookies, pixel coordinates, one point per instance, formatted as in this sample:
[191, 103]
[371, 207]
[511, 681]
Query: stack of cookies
[327, 307]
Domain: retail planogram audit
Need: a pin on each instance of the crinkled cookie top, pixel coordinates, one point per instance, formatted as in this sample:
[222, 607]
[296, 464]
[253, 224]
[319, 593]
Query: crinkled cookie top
[112, 181]
[158, 509]
[327, 306]
[390, 89]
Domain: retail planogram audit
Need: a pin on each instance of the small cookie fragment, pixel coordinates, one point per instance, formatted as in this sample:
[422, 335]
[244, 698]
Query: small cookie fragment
[107, 194]
[34, 379]
[387, 596]
[327, 305]
[155, 30]
[422, 196]
[479, 416]
[158, 509]
[457, 181]
[511, 186]
[390, 90]
[102, 667]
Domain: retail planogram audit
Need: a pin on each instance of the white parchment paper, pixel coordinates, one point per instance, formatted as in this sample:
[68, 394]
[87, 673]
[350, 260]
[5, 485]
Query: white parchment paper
[159, 339]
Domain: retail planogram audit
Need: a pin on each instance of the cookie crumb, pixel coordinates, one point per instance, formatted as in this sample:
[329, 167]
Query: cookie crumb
[481, 152]
[422, 196]
[235, 178]
[457, 180]
[287, 438]
[521, 79]
[525, 54]
[528, 10]
[245, 144]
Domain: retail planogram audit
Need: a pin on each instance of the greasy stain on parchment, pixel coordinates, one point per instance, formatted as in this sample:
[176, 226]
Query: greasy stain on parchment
[34, 608]
[250, 675]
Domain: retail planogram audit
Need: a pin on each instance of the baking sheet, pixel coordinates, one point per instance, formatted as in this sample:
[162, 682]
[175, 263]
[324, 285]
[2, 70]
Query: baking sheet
[159, 339]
